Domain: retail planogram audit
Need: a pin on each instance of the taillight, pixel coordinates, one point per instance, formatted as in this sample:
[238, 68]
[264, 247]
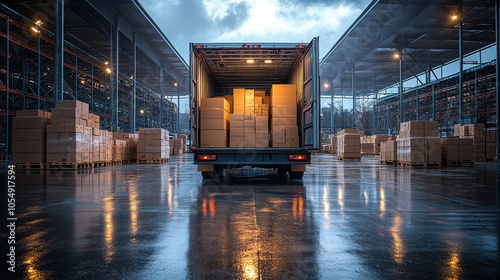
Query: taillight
[300, 46]
[207, 157]
[255, 46]
[297, 157]
[245, 46]
[198, 47]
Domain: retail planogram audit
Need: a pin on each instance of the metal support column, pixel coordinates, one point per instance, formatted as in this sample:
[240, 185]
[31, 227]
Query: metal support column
[134, 83]
[38, 77]
[400, 50]
[417, 105]
[59, 53]
[461, 62]
[116, 68]
[497, 35]
[92, 88]
[332, 129]
[76, 78]
[7, 92]
[161, 95]
[24, 76]
[353, 95]
[433, 104]
[178, 110]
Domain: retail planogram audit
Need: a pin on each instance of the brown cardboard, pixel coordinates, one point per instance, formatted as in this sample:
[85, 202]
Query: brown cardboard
[28, 146]
[236, 142]
[238, 96]
[215, 103]
[29, 122]
[32, 113]
[213, 138]
[261, 134]
[415, 125]
[417, 133]
[209, 113]
[292, 131]
[35, 134]
[214, 124]
[431, 125]
[283, 122]
[236, 117]
[284, 111]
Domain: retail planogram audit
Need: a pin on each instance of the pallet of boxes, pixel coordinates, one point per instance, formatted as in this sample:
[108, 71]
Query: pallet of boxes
[153, 146]
[418, 144]
[483, 140]
[457, 151]
[388, 152]
[29, 138]
[370, 145]
[330, 147]
[349, 145]
[71, 137]
[124, 149]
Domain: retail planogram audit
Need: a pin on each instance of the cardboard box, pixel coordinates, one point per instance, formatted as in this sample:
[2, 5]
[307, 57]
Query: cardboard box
[33, 113]
[238, 132]
[215, 103]
[236, 141]
[284, 111]
[261, 143]
[211, 138]
[208, 113]
[236, 117]
[261, 134]
[415, 125]
[29, 122]
[260, 93]
[28, 146]
[283, 122]
[214, 124]
[418, 133]
[238, 96]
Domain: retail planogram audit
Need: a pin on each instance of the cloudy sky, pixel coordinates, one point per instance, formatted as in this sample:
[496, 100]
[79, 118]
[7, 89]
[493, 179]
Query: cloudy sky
[295, 21]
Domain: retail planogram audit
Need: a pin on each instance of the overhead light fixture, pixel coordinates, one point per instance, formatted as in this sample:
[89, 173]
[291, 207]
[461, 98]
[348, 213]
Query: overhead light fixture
[396, 55]
[268, 61]
[176, 84]
[142, 111]
[250, 61]
[106, 62]
[39, 22]
[108, 70]
[326, 85]
[166, 96]
[35, 29]
[82, 82]
[454, 17]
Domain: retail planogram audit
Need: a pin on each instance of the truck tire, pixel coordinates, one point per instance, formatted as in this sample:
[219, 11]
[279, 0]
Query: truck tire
[296, 174]
[207, 174]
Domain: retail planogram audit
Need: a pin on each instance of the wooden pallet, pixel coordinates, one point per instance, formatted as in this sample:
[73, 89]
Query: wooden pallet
[458, 163]
[370, 154]
[421, 164]
[349, 158]
[30, 165]
[102, 163]
[152, 160]
[389, 162]
[116, 162]
[69, 165]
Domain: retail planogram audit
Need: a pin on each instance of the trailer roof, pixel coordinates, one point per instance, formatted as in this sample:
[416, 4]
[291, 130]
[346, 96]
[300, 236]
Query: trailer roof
[229, 67]
[424, 29]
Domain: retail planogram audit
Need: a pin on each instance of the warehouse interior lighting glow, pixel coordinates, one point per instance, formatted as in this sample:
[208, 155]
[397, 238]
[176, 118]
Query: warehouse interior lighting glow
[268, 61]
[250, 61]
[108, 70]
[396, 55]
[35, 29]
[455, 17]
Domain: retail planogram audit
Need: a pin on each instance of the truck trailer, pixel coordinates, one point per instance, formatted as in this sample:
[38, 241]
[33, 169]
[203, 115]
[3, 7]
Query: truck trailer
[259, 71]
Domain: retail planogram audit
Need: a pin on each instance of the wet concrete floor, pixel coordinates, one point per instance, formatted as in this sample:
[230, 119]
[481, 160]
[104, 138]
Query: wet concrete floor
[344, 220]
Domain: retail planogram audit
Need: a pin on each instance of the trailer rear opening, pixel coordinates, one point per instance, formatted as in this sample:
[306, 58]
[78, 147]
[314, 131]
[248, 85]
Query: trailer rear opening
[254, 105]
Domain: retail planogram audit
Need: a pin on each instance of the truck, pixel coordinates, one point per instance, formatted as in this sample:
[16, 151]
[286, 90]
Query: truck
[217, 69]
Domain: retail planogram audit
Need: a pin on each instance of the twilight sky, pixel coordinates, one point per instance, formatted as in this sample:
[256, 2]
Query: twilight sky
[249, 21]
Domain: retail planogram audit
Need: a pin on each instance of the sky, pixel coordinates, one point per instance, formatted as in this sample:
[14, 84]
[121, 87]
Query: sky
[253, 21]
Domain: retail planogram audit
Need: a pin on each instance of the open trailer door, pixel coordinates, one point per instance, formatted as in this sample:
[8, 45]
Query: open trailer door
[311, 98]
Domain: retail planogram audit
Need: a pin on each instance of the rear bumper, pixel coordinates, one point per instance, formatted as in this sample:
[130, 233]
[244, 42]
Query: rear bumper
[254, 157]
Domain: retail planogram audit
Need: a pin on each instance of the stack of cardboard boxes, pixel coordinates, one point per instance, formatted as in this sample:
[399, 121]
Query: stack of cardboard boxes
[418, 142]
[69, 138]
[124, 146]
[184, 138]
[214, 120]
[348, 144]
[284, 115]
[483, 140]
[176, 146]
[367, 148]
[261, 104]
[388, 151]
[153, 144]
[236, 131]
[376, 140]
[457, 150]
[29, 136]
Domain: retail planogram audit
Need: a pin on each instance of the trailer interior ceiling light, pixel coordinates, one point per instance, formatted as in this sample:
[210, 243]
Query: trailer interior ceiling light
[268, 61]
[207, 157]
[250, 61]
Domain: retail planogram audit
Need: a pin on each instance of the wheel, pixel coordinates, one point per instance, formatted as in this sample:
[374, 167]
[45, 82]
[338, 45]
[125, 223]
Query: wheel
[296, 175]
[207, 174]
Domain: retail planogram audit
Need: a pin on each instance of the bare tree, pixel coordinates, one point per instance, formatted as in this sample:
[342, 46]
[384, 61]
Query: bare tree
[365, 114]
[343, 117]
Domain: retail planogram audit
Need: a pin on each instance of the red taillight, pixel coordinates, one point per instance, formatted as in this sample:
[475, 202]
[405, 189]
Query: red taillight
[198, 47]
[297, 157]
[245, 46]
[300, 46]
[207, 157]
[255, 46]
